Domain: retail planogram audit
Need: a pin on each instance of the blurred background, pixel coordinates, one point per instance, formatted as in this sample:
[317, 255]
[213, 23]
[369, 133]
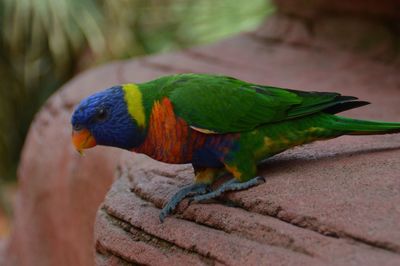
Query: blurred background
[44, 43]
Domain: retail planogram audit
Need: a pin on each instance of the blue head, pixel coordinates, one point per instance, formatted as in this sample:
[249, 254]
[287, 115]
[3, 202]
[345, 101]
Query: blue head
[103, 119]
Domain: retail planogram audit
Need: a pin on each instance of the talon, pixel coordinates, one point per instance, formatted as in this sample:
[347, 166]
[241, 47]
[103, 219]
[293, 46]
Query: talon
[190, 200]
[162, 216]
[194, 200]
[194, 189]
[230, 185]
[197, 199]
[207, 196]
[260, 178]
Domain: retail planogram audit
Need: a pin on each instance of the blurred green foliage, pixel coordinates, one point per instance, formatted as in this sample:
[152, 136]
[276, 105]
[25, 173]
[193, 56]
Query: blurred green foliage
[43, 43]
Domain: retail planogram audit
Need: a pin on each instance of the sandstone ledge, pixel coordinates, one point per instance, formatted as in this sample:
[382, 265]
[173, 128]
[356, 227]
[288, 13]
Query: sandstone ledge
[332, 202]
[3, 243]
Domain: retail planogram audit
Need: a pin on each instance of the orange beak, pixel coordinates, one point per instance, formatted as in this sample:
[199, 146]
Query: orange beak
[82, 139]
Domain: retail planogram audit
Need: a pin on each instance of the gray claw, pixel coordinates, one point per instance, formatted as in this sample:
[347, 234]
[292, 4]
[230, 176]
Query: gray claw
[194, 189]
[230, 185]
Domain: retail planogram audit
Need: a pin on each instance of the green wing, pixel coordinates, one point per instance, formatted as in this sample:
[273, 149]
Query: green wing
[223, 104]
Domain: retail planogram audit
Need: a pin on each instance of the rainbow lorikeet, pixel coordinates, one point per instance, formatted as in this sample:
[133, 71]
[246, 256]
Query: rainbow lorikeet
[218, 124]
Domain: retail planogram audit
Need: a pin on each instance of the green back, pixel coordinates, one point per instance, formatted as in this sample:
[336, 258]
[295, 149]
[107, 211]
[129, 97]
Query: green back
[223, 104]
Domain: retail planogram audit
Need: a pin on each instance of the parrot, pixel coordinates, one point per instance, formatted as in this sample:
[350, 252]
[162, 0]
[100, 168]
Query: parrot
[219, 124]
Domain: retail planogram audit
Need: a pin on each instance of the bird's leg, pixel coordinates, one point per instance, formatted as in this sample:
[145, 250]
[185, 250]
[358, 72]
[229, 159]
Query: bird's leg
[243, 173]
[190, 190]
[230, 185]
[204, 178]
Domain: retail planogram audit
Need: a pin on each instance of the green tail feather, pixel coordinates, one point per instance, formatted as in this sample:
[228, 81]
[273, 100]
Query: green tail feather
[364, 127]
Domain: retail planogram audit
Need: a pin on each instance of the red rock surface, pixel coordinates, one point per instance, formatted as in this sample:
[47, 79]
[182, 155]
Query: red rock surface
[3, 244]
[332, 202]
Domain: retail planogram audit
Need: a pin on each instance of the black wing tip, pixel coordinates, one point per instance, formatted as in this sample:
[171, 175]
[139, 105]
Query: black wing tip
[342, 98]
[345, 105]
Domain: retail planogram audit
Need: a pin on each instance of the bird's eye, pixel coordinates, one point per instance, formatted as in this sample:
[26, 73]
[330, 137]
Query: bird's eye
[101, 114]
[77, 127]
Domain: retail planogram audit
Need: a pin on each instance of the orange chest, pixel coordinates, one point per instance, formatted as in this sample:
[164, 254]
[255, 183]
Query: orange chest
[169, 138]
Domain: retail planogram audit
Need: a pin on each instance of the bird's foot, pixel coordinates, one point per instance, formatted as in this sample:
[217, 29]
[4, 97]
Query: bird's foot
[191, 190]
[230, 185]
